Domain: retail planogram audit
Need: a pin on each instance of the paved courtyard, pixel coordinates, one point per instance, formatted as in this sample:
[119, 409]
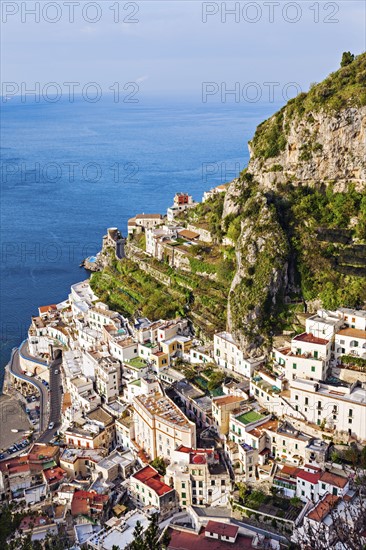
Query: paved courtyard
[12, 416]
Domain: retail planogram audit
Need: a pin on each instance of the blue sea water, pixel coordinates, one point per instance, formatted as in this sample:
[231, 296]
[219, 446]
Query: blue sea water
[70, 170]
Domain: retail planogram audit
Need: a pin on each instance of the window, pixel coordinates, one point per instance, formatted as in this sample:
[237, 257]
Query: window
[306, 401]
[323, 485]
[350, 412]
[296, 397]
[183, 485]
[316, 354]
[350, 421]
[184, 495]
[312, 369]
[294, 366]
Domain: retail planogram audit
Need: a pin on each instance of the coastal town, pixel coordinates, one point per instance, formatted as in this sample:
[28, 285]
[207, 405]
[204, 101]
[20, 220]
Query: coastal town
[129, 421]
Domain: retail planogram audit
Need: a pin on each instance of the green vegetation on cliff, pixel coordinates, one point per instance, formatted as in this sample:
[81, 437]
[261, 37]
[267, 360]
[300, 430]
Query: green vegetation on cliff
[277, 242]
[343, 88]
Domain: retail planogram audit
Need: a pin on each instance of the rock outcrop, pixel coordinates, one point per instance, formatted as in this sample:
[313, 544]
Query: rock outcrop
[320, 147]
[312, 148]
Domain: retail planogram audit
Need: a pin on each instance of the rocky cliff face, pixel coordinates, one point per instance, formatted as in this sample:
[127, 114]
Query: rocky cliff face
[320, 147]
[301, 162]
[258, 287]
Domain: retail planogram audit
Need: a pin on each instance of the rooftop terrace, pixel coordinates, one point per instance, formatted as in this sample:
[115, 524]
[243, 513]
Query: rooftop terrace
[159, 405]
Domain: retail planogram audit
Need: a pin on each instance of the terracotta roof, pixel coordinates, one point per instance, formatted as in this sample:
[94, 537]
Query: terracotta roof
[181, 540]
[290, 470]
[53, 475]
[82, 501]
[322, 509]
[221, 529]
[225, 400]
[270, 425]
[310, 338]
[354, 332]
[40, 452]
[46, 309]
[187, 234]
[308, 476]
[334, 479]
[151, 478]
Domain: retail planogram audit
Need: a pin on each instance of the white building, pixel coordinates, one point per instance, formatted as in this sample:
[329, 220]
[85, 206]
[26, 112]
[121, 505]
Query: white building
[342, 407]
[350, 341]
[353, 318]
[228, 355]
[160, 426]
[148, 490]
[324, 324]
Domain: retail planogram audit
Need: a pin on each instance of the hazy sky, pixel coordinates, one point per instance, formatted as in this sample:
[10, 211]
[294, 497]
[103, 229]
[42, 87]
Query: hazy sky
[174, 46]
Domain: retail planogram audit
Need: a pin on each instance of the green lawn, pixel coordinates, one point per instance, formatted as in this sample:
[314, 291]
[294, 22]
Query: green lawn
[137, 362]
[248, 417]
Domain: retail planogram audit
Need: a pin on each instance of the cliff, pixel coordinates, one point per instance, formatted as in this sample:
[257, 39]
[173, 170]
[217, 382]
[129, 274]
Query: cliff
[288, 234]
[302, 209]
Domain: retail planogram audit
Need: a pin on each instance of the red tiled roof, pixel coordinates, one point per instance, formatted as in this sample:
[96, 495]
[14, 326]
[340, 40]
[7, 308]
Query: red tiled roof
[220, 529]
[308, 476]
[151, 478]
[322, 509]
[290, 470]
[225, 400]
[82, 501]
[181, 540]
[353, 332]
[45, 309]
[334, 479]
[53, 475]
[310, 338]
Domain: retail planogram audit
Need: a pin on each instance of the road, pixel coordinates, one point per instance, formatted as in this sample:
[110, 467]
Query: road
[51, 396]
[55, 398]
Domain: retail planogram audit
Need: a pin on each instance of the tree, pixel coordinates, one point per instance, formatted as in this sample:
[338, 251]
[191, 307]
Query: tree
[347, 59]
[243, 492]
[159, 465]
[151, 538]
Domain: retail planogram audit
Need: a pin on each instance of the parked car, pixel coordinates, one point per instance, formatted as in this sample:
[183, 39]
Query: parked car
[56, 371]
[2, 456]
[34, 398]
[51, 425]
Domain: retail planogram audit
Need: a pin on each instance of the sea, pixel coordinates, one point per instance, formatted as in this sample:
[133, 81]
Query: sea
[70, 170]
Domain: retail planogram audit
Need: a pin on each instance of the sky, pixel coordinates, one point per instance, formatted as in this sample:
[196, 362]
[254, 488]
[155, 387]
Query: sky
[174, 48]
